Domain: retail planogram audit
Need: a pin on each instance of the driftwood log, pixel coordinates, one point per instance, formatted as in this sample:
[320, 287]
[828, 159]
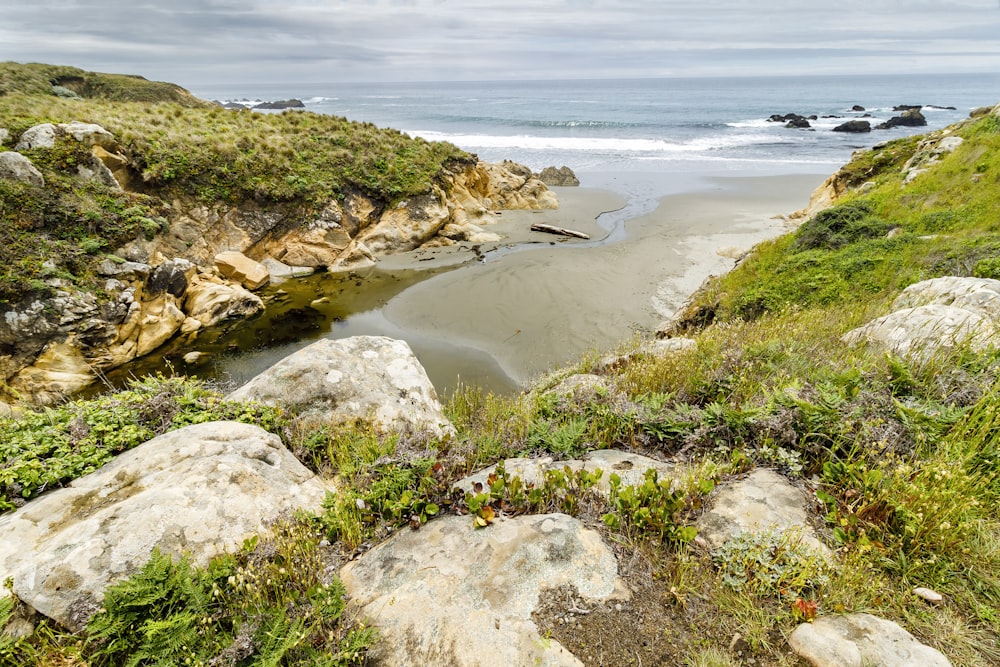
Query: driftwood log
[562, 231]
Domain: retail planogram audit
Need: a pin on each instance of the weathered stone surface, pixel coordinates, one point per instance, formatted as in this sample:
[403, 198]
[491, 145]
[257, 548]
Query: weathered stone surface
[561, 177]
[936, 316]
[629, 466]
[368, 378]
[57, 372]
[124, 270]
[39, 136]
[857, 640]
[170, 277]
[200, 490]
[159, 320]
[16, 167]
[451, 595]
[763, 501]
[90, 134]
[280, 271]
[237, 266]
[410, 224]
[929, 152]
[210, 301]
[95, 171]
[4, 135]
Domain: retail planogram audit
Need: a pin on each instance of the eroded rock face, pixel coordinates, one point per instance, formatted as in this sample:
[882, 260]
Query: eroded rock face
[200, 490]
[373, 379]
[16, 167]
[451, 595]
[855, 640]
[210, 301]
[762, 502]
[237, 266]
[561, 177]
[935, 316]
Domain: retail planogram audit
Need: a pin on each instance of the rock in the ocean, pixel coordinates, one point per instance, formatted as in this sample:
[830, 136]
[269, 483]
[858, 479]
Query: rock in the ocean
[854, 126]
[909, 118]
[201, 490]
[764, 501]
[365, 378]
[856, 640]
[16, 167]
[449, 595]
[937, 315]
[281, 104]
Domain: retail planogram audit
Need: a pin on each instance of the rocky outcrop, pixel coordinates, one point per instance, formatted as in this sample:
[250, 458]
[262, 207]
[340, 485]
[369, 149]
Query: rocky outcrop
[559, 177]
[911, 117]
[929, 153]
[762, 502]
[16, 167]
[237, 266]
[856, 126]
[451, 595]
[370, 379]
[937, 316]
[854, 640]
[281, 104]
[199, 490]
[46, 350]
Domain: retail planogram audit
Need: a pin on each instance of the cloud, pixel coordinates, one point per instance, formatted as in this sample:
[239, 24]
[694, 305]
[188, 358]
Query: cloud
[194, 41]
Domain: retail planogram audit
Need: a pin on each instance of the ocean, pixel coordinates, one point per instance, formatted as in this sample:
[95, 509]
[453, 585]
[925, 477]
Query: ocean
[687, 128]
[641, 139]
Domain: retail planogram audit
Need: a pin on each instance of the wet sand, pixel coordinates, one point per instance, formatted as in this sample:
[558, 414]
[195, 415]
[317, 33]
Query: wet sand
[536, 309]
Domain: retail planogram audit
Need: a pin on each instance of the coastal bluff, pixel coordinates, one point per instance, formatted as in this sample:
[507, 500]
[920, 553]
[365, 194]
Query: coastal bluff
[179, 278]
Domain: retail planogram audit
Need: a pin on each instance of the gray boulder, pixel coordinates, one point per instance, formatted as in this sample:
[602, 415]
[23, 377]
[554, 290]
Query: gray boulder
[39, 136]
[4, 135]
[16, 167]
[373, 379]
[762, 502]
[451, 595]
[856, 640]
[935, 316]
[909, 118]
[201, 490]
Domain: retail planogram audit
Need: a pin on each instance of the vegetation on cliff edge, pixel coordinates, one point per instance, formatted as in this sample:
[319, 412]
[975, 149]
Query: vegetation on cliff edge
[293, 162]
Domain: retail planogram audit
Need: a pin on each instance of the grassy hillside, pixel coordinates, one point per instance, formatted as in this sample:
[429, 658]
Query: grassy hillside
[178, 148]
[904, 458]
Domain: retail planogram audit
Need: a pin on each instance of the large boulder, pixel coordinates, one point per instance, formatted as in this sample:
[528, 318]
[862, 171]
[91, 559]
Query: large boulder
[211, 301]
[16, 167]
[44, 135]
[854, 126]
[856, 640]
[368, 378]
[237, 266]
[451, 595]
[762, 502]
[937, 315]
[200, 490]
[559, 177]
[909, 118]
[38, 136]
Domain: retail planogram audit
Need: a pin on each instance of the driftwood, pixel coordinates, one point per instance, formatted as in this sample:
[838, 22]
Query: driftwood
[551, 229]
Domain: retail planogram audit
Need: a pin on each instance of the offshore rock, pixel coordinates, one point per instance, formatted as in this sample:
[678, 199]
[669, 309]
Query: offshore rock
[854, 126]
[451, 595]
[200, 490]
[855, 640]
[16, 167]
[371, 379]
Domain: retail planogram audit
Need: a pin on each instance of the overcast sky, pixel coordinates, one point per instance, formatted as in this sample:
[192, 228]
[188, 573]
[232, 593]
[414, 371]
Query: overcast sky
[194, 42]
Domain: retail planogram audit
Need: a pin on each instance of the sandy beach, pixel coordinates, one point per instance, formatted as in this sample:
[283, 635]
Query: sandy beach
[544, 306]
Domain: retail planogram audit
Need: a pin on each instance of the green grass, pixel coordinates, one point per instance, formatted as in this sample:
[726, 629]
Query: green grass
[179, 148]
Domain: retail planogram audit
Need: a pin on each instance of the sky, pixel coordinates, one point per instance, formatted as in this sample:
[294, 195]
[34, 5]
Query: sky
[199, 42]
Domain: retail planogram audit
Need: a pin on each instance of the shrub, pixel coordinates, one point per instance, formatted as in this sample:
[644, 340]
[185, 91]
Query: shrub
[839, 226]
